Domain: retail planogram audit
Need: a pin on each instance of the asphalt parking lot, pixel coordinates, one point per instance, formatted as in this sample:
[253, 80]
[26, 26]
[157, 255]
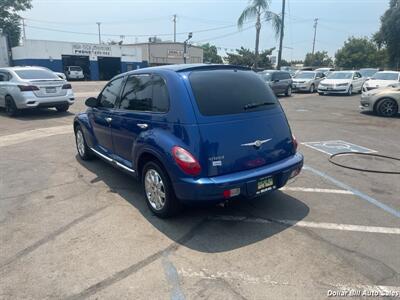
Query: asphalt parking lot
[74, 230]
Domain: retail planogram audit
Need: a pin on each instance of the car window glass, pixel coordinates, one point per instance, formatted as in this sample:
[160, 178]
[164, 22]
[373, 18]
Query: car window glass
[3, 77]
[36, 74]
[222, 92]
[110, 94]
[137, 93]
[160, 95]
[286, 76]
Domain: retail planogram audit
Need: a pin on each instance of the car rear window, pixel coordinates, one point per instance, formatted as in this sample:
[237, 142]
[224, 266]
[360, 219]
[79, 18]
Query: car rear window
[222, 92]
[36, 74]
[75, 68]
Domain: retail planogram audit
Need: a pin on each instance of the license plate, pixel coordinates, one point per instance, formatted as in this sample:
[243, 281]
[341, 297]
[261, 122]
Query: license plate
[265, 184]
[51, 90]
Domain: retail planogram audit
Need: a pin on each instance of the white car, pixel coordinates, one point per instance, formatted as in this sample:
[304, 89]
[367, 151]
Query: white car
[382, 79]
[33, 87]
[342, 82]
[74, 72]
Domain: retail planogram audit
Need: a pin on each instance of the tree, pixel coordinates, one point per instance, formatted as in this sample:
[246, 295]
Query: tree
[259, 9]
[210, 54]
[360, 53]
[10, 19]
[285, 63]
[389, 33]
[318, 59]
[245, 57]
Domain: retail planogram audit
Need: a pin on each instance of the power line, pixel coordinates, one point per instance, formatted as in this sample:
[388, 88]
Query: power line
[132, 35]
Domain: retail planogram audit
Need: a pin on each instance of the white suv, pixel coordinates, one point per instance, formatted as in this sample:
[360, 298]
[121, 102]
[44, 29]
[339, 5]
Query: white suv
[74, 72]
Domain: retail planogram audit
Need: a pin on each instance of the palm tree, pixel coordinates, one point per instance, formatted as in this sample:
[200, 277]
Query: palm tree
[259, 9]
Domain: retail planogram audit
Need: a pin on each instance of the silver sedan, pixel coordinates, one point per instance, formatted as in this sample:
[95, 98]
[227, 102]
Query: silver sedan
[33, 87]
[307, 81]
[384, 101]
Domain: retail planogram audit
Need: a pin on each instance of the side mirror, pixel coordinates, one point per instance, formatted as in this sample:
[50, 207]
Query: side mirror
[91, 102]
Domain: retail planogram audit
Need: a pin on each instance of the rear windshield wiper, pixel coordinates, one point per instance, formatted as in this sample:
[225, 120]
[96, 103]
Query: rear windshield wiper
[254, 105]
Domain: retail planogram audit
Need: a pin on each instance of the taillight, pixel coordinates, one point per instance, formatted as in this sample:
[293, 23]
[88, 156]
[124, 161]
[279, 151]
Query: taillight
[186, 161]
[28, 88]
[295, 144]
[66, 86]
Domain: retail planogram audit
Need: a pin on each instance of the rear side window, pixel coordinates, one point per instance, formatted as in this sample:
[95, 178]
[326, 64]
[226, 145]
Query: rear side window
[36, 74]
[285, 75]
[145, 93]
[222, 92]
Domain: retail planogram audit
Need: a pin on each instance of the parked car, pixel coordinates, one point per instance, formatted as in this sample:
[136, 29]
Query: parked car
[279, 81]
[382, 79]
[342, 82]
[74, 72]
[33, 87]
[326, 71]
[383, 101]
[307, 81]
[176, 128]
[368, 72]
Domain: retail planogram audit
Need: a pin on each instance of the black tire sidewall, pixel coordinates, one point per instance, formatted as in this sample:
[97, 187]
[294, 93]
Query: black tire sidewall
[380, 105]
[172, 204]
[9, 101]
[88, 154]
[62, 108]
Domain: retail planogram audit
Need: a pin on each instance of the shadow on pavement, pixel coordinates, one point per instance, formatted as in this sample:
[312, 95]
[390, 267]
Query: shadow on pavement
[206, 233]
[37, 114]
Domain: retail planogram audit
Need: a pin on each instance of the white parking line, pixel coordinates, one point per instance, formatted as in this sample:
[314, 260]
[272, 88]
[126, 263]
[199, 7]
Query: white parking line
[315, 190]
[329, 226]
[12, 139]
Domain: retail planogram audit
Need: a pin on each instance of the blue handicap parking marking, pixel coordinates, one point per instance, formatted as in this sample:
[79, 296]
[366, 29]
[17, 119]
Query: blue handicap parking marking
[337, 146]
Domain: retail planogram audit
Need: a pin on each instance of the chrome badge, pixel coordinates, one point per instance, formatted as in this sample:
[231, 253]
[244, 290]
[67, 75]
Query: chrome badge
[257, 144]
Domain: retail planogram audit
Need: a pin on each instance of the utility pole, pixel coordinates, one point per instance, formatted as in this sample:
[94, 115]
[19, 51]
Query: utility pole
[98, 26]
[174, 20]
[23, 30]
[315, 34]
[282, 33]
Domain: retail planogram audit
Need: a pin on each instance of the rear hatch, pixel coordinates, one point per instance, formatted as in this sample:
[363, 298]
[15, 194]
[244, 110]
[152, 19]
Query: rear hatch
[241, 122]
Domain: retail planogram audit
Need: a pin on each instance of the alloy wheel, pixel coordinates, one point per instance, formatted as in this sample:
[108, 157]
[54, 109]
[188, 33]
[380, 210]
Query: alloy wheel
[388, 108]
[80, 143]
[155, 189]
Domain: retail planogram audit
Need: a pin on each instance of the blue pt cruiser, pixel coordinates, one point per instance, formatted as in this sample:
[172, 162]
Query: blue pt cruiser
[191, 133]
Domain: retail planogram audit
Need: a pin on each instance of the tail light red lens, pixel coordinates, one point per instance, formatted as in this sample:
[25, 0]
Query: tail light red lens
[28, 88]
[295, 144]
[186, 161]
[67, 86]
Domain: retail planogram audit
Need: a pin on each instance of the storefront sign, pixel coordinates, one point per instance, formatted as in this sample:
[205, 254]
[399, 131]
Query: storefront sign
[92, 50]
[174, 53]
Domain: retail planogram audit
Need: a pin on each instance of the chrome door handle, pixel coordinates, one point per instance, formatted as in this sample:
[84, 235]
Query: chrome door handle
[108, 120]
[142, 125]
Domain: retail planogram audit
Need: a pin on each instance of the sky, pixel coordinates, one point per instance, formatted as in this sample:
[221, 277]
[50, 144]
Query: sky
[212, 21]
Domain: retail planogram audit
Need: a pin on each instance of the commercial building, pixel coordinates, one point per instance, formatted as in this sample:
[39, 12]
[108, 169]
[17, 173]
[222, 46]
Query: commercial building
[99, 62]
[102, 62]
[167, 53]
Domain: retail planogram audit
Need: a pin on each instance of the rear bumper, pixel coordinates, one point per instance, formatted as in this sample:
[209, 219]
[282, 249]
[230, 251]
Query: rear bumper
[29, 100]
[212, 188]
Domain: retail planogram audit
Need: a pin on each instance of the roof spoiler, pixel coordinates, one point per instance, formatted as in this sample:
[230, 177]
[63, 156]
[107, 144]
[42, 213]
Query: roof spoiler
[214, 67]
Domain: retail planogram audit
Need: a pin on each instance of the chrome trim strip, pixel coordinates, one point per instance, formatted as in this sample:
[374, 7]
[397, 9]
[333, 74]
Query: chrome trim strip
[112, 160]
[124, 167]
[102, 155]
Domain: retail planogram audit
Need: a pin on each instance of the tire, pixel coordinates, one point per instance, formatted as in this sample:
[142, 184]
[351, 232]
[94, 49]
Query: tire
[350, 91]
[62, 108]
[288, 92]
[156, 184]
[321, 94]
[312, 89]
[11, 108]
[387, 107]
[83, 149]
